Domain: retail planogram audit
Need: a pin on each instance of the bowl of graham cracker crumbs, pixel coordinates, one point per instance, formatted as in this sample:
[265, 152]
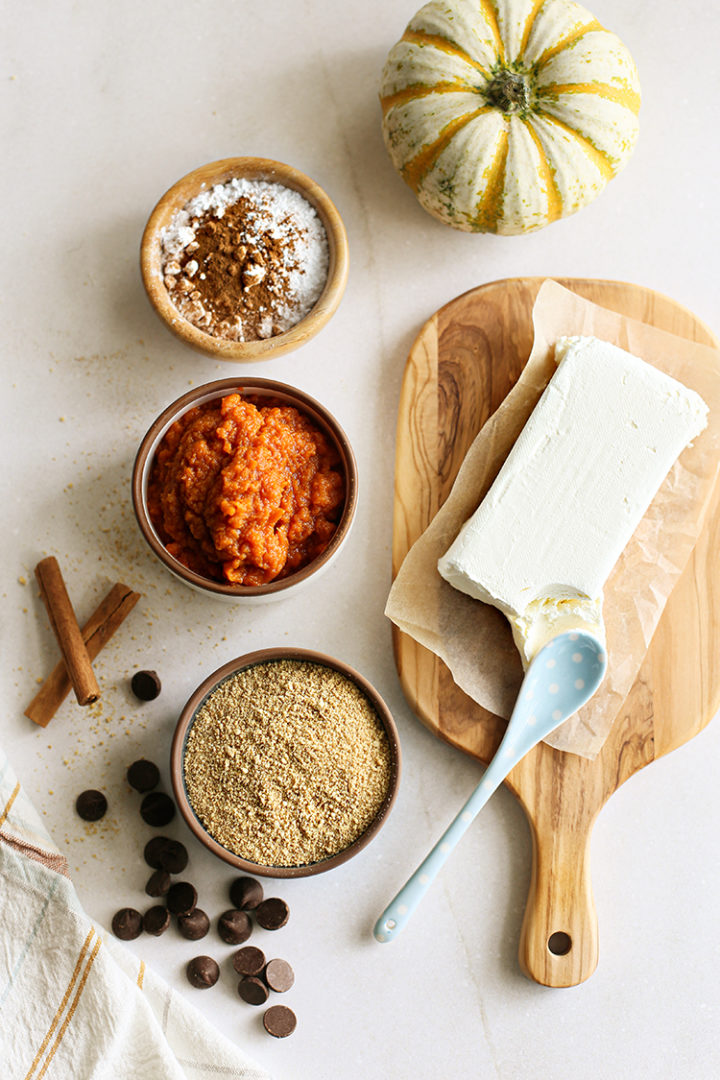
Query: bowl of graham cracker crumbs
[285, 762]
[244, 258]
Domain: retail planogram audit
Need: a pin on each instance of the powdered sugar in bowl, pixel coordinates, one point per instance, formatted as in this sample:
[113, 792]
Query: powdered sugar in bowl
[245, 258]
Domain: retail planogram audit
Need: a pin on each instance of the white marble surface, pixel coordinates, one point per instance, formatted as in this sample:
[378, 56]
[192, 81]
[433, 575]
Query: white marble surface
[104, 107]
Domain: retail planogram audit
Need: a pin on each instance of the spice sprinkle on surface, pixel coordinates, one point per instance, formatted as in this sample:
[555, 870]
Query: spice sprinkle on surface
[287, 763]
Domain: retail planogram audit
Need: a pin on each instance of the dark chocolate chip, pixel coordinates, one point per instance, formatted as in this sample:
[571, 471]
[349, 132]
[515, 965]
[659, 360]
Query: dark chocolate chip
[249, 961]
[157, 809]
[246, 893]
[156, 920]
[154, 851]
[158, 883]
[273, 913]
[91, 805]
[202, 972]
[143, 775]
[181, 898]
[127, 924]
[279, 975]
[195, 925]
[279, 1021]
[146, 685]
[174, 857]
[234, 927]
[253, 990]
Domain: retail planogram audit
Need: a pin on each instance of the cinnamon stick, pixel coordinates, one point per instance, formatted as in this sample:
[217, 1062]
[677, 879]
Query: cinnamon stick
[66, 629]
[97, 631]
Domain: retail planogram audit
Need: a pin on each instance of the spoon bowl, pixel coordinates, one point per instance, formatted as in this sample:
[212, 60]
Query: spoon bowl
[560, 679]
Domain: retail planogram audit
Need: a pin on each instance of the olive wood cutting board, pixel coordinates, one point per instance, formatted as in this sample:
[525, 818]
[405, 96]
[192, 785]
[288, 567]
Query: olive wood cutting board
[463, 363]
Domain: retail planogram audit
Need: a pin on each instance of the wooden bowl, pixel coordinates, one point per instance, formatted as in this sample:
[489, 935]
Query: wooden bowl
[179, 742]
[219, 172]
[262, 388]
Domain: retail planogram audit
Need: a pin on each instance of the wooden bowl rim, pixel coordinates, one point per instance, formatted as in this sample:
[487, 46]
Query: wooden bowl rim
[219, 172]
[184, 724]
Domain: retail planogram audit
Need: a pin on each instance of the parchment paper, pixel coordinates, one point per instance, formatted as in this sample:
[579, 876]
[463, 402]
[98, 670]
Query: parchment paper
[472, 638]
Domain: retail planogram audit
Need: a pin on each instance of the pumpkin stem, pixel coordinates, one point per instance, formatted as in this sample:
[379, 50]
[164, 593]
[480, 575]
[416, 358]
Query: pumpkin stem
[509, 91]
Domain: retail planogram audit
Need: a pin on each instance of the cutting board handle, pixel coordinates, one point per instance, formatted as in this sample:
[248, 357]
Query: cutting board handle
[559, 937]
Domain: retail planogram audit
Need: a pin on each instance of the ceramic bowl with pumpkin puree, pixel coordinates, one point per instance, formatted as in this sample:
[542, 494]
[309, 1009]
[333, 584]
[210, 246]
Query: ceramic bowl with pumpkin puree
[245, 488]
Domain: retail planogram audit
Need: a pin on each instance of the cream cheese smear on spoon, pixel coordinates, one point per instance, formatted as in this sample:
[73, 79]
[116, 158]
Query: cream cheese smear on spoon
[573, 489]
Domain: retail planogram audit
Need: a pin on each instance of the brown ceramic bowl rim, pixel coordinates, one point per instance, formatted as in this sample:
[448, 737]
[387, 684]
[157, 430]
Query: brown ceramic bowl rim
[219, 172]
[185, 722]
[272, 389]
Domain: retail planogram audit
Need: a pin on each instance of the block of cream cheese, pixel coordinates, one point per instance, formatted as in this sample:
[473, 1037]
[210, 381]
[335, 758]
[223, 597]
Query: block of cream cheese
[572, 491]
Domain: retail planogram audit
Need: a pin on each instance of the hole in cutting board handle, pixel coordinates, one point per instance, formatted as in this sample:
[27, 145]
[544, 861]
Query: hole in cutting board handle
[559, 943]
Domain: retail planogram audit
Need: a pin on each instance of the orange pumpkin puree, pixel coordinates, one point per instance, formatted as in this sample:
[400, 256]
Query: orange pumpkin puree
[245, 491]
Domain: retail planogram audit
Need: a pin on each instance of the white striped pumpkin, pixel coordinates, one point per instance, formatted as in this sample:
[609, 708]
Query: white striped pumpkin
[504, 115]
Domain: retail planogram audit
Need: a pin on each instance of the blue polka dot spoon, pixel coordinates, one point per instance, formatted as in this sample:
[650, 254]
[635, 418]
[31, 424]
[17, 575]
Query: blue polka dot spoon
[562, 677]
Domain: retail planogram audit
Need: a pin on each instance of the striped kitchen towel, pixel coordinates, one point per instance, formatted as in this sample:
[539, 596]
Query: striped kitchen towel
[74, 1003]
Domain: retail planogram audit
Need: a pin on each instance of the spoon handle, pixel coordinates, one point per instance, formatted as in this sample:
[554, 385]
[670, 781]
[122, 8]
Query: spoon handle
[397, 914]
[563, 676]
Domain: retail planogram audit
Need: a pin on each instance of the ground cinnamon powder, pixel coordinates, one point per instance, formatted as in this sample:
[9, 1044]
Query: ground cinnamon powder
[247, 262]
